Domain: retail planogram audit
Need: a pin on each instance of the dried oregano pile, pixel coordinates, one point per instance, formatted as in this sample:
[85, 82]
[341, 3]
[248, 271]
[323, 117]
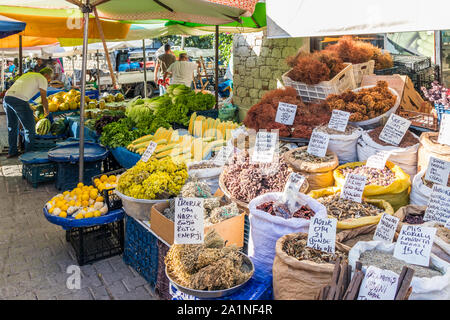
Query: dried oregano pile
[346, 209]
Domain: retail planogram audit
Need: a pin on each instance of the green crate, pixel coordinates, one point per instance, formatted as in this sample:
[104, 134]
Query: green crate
[39, 172]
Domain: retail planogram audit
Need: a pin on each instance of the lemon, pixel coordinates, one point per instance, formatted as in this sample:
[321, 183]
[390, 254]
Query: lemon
[112, 178]
[93, 193]
[99, 199]
[66, 193]
[85, 196]
[97, 213]
[89, 215]
[80, 185]
[51, 210]
[64, 207]
[103, 178]
[96, 181]
[85, 203]
[71, 203]
[78, 203]
[63, 214]
[79, 216]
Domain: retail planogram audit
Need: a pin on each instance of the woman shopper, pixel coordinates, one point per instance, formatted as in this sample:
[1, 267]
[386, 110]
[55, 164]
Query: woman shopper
[17, 107]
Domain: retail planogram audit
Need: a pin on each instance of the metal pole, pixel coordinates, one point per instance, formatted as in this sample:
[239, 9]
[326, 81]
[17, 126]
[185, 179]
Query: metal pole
[85, 9]
[98, 76]
[145, 69]
[73, 74]
[3, 70]
[20, 56]
[216, 82]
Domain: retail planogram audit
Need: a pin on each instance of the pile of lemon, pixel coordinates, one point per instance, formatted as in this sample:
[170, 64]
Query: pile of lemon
[105, 182]
[80, 203]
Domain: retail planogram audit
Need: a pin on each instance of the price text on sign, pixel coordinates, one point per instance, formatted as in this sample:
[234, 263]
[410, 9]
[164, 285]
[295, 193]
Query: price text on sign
[294, 182]
[339, 120]
[414, 244]
[394, 130]
[224, 153]
[322, 234]
[265, 145]
[286, 113]
[438, 171]
[378, 284]
[386, 228]
[353, 187]
[318, 144]
[444, 131]
[149, 151]
[378, 160]
[438, 208]
[188, 221]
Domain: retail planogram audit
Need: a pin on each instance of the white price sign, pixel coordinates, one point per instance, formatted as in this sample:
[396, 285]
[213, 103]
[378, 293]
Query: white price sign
[149, 151]
[339, 120]
[438, 207]
[236, 132]
[294, 182]
[222, 156]
[414, 244]
[353, 188]
[286, 113]
[318, 144]
[386, 228]
[378, 160]
[378, 284]
[188, 224]
[265, 146]
[394, 130]
[444, 131]
[322, 234]
[438, 171]
[447, 224]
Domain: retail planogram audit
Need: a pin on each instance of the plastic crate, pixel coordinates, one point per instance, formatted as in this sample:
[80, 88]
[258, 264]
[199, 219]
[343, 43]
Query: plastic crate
[141, 250]
[246, 234]
[162, 282]
[111, 164]
[344, 80]
[112, 200]
[362, 69]
[211, 113]
[36, 173]
[422, 78]
[419, 120]
[440, 109]
[67, 174]
[96, 242]
[387, 71]
[411, 63]
[43, 144]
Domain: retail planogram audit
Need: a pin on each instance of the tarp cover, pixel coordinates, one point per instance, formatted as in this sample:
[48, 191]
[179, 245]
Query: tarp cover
[10, 26]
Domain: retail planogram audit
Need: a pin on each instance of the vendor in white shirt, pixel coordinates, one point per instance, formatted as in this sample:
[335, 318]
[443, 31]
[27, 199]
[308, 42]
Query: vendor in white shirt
[182, 71]
[18, 109]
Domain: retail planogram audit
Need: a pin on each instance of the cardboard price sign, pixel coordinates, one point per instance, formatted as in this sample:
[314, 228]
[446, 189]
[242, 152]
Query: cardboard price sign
[188, 222]
[394, 130]
[438, 207]
[438, 171]
[322, 234]
[414, 244]
[265, 145]
[286, 113]
[444, 131]
[149, 151]
[339, 120]
[222, 156]
[294, 182]
[353, 188]
[378, 284]
[318, 144]
[386, 228]
[378, 160]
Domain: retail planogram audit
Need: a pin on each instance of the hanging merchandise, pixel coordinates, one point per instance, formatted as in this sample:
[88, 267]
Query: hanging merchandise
[429, 147]
[404, 155]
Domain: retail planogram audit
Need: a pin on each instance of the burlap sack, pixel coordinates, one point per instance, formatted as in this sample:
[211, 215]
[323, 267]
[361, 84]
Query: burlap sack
[404, 211]
[429, 147]
[299, 280]
[319, 175]
[350, 237]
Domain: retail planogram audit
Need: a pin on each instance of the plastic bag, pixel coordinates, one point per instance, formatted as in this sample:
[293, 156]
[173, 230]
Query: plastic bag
[354, 222]
[208, 175]
[435, 288]
[345, 145]
[266, 229]
[405, 158]
[420, 193]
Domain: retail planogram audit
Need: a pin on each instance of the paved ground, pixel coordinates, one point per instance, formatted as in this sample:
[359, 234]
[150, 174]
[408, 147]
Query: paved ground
[34, 255]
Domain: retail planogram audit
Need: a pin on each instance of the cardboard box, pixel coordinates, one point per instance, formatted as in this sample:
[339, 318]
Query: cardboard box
[231, 229]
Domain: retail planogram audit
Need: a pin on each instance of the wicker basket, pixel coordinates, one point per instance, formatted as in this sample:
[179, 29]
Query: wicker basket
[344, 80]
[362, 69]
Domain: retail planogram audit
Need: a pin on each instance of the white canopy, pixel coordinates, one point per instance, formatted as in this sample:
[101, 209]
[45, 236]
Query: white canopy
[316, 18]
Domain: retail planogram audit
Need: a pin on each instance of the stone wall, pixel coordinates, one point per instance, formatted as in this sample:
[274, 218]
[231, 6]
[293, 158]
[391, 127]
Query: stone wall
[258, 65]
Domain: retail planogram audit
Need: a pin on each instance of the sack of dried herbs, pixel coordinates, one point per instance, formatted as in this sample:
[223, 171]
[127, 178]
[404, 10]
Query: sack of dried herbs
[431, 283]
[429, 147]
[266, 229]
[420, 192]
[299, 272]
[404, 155]
[317, 170]
[441, 244]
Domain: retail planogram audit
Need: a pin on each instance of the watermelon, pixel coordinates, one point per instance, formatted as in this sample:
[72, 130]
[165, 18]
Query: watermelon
[58, 127]
[43, 127]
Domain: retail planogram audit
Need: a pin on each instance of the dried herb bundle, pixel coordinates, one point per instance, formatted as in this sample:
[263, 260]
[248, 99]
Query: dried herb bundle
[346, 209]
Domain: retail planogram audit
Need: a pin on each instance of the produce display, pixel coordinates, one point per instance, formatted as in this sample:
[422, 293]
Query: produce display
[343, 209]
[437, 94]
[208, 266]
[58, 127]
[63, 101]
[364, 104]
[154, 179]
[43, 127]
[106, 182]
[262, 115]
[408, 139]
[80, 203]
[302, 155]
[104, 120]
[414, 218]
[201, 126]
[325, 129]
[282, 210]
[296, 247]
[120, 133]
[373, 176]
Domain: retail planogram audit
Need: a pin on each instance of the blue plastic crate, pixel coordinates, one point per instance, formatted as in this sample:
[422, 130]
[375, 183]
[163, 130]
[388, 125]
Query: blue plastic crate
[162, 282]
[440, 109]
[39, 172]
[68, 173]
[141, 250]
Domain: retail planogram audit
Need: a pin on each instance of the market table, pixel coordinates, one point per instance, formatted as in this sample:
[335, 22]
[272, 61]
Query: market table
[50, 90]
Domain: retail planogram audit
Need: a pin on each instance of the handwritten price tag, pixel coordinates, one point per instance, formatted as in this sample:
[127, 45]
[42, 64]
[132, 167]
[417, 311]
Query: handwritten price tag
[438, 171]
[339, 120]
[149, 151]
[444, 131]
[265, 145]
[414, 244]
[438, 207]
[188, 221]
[322, 234]
[294, 182]
[378, 284]
[286, 113]
[318, 144]
[236, 132]
[378, 160]
[353, 187]
[394, 130]
[222, 156]
[386, 228]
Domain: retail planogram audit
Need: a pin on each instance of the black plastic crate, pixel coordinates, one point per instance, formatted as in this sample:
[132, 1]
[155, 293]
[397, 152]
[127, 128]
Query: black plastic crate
[411, 63]
[110, 164]
[422, 78]
[112, 200]
[39, 172]
[388, 71]
[97, 242]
